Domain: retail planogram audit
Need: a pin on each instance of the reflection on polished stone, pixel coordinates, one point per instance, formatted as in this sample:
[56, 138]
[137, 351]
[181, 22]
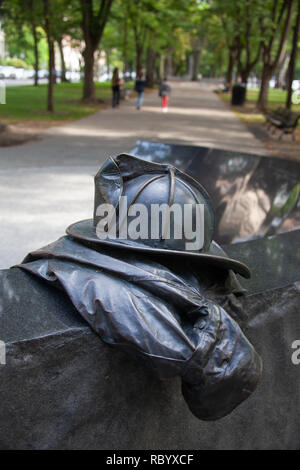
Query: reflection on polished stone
[274, 261]
[256, 202]
[252, 196]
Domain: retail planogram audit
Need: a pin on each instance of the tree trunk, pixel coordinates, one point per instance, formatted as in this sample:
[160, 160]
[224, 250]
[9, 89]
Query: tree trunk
[169, 64]
[107, 57]
[125, 45]
[62, 61]
[293, 57]
[150, 64]
[269, 65]
[264, 88]
[54, 65]
[189, 64]
[93, 24]
[139, 54]
[197, 44]
[195, 67]
[130, 67]
[245, 75]
[36, 56]
[157, 76]
[50, 106]
[282, 73]
[161, 67]
[89, 92]
[230, 67]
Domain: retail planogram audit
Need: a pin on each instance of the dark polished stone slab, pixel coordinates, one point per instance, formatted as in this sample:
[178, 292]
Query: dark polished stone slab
[28, 310]
[252, 196]
[63, 388]
[66, 389]
[274, 261]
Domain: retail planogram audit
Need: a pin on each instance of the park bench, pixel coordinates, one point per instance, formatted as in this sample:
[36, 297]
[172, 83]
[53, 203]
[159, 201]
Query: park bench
[282, 119]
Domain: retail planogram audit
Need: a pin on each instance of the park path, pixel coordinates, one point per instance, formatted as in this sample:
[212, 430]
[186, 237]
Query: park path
[47, 184]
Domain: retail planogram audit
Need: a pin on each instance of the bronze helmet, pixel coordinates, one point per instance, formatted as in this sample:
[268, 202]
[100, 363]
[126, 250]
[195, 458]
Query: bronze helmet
[147, 183]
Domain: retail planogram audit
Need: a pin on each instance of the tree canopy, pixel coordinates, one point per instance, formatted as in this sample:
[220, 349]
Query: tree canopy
[234, 39]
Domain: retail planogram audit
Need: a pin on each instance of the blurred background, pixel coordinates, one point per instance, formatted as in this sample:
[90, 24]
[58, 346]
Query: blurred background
[254, 42]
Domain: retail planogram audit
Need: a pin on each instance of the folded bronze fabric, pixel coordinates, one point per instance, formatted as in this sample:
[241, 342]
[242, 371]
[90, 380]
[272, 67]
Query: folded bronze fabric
[162, 313]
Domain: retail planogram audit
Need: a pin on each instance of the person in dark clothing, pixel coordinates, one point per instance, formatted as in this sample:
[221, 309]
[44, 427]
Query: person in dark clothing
[140, 88]
[115, 88]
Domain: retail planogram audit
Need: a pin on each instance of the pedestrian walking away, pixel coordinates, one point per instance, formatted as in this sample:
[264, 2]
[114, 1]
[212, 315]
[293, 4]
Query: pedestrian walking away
[164, 92]
[115, 88]
[140, 88]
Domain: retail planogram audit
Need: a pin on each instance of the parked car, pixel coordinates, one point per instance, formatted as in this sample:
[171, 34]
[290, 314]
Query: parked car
[43, 73]
[19, 73]
[104, 77]
[29, 73]
[7, 71]
[73, 76]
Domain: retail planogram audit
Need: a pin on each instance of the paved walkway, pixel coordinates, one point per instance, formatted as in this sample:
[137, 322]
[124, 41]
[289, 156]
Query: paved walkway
[47, 184]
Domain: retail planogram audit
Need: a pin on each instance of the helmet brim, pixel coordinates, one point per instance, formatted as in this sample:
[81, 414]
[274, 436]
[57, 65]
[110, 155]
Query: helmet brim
[84, 231]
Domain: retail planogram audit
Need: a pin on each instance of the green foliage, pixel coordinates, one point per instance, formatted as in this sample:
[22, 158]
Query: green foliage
[176, 28]
[19, 44]
[162, 25]
[15, 62]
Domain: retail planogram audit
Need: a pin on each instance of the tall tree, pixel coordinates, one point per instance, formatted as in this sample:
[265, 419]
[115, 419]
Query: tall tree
[138, 14]
[293, 57]
[153, 23]
[240, 21]
[197, 44]
[249, 45]
[51, 62]
[65, 22]
[62, 60]
[117, 40]
[226, 13]
[274, 34]
[22, 14]
[145, 30]
[93, 23]
[196, 23]
[150, 66]
[34, 15]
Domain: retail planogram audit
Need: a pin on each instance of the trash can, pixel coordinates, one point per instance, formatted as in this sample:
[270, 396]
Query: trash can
[238, 96]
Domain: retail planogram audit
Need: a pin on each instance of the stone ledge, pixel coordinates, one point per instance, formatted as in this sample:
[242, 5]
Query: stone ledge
[66, 389]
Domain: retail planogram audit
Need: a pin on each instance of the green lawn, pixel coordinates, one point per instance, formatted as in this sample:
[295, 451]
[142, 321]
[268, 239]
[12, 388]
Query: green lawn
[28, 103]
[249, 113]
[276, 98]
